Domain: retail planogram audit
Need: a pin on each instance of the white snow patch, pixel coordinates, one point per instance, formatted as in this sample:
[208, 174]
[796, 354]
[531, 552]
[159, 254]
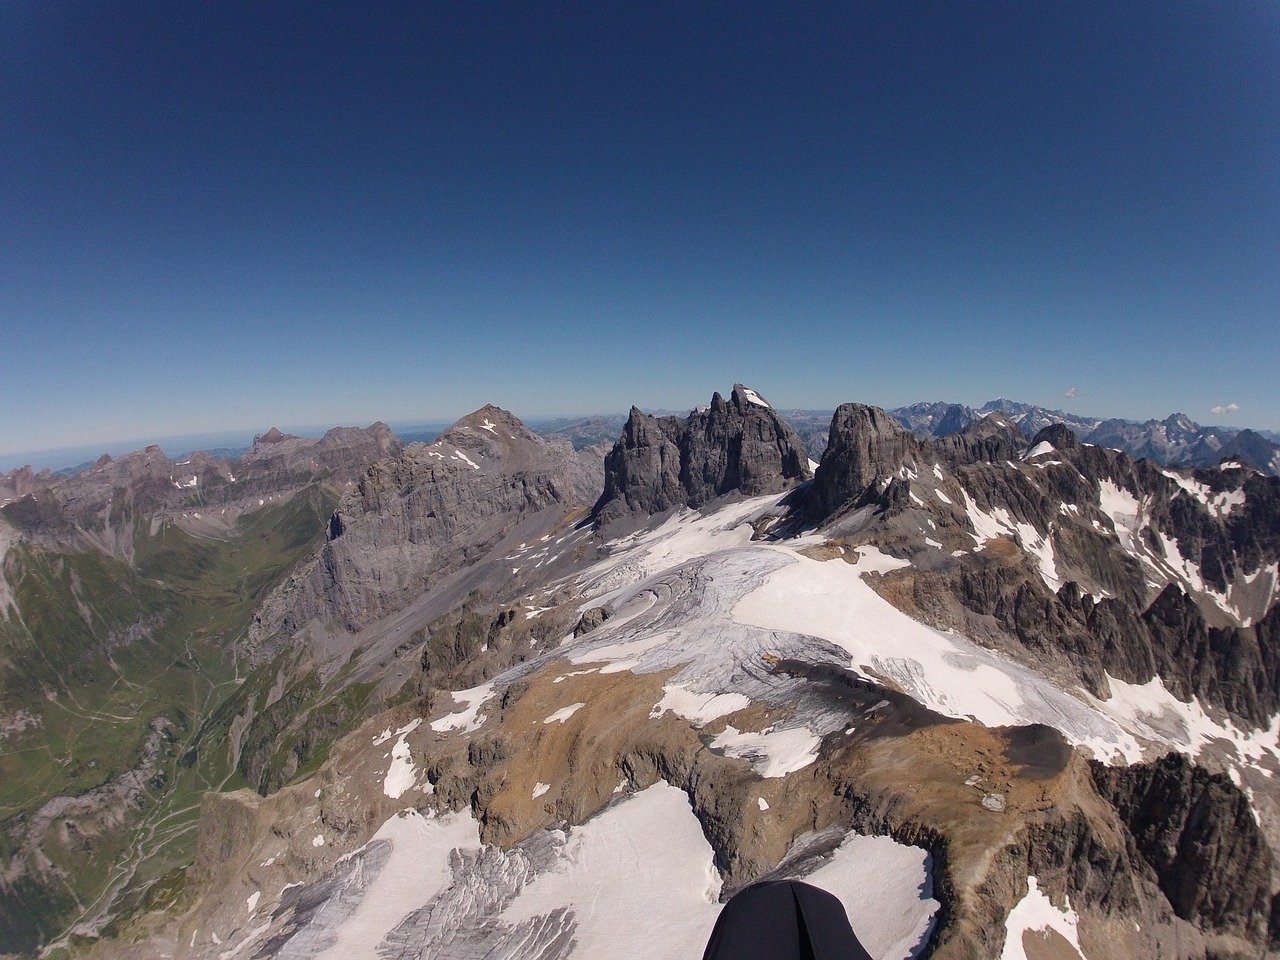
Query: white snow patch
[987, 526]
[698, 708]
[1041, 550]
[937, 471]
[459, 455]
[1125, 513]
[1035, 913]
[540, 788]
[944, 671]
[564, 713]
[489, 425]
[771, 752]
[1040, 449]
[469, 718]
[643, 858]
[753, 397]
[417, 870]
[573, 673]
[685, 536]
[386, 735]
[251, 901]
[941, 496]
[887, 891]
[318, 840]
[1153, 713]
[401, 776]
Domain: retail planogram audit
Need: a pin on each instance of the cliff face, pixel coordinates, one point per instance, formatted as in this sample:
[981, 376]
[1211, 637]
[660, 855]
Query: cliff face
[434, 508]
[739, 445]
[865, 445]
[1197, 834]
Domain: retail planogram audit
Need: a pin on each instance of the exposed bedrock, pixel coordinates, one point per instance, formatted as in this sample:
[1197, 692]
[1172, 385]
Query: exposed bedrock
[865, 444]
[1197, 834]
[736, 445]
[429, 511]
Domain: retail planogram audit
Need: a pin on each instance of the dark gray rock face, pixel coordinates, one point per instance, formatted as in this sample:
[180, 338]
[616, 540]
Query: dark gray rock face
[866, 445]
[739, 445]
[989, 439]
[1196, 832]
[1056, 435]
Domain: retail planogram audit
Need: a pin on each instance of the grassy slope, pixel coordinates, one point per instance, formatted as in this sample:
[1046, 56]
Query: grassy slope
[98, 687]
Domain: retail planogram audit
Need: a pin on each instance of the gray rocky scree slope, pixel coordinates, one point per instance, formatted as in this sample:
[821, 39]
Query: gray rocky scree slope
[735, 445]
[427, 512]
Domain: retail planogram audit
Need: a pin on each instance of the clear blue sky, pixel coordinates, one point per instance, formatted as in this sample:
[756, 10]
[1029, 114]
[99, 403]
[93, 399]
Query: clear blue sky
[233, 215]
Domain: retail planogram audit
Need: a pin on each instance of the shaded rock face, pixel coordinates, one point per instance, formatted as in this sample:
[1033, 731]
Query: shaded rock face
[739, 445]
[866, 445]
[1196, 832]
[429, 511]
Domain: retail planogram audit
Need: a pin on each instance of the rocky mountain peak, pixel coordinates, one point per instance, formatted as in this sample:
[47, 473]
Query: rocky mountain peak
[272, 436]
[744, 398]
[1057, 436]
[740, 445]
[866, 444]
[490, 436]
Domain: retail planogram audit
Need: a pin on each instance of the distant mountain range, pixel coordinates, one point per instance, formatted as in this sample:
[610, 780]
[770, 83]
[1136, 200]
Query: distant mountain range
[1175, 441]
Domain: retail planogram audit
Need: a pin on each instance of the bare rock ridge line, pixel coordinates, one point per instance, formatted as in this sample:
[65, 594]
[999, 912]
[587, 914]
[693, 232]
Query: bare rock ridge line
[1176, 440]
[90, 508]
[737, 445]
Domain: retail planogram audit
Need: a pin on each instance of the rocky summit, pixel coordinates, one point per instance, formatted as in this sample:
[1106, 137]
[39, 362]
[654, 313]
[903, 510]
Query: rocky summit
[740, 445]
[1004, 695]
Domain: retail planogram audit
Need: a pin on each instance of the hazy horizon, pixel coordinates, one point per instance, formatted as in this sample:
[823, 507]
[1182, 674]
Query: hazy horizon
[324, 212]
[174, 446]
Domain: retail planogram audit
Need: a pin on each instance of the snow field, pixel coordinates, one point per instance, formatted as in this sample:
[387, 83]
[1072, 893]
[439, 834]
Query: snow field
[1034, 913]
[417, 870]
[469, 718]
[887, 891]
[946, 672]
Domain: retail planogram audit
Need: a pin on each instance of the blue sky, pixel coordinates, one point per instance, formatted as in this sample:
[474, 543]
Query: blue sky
[228, 216]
